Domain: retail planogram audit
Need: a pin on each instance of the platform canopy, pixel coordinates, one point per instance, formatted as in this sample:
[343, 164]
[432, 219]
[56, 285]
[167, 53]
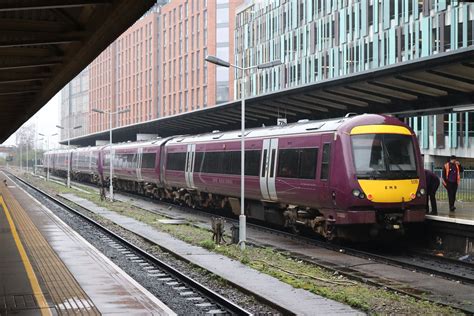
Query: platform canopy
[46, 43]
[428, 85]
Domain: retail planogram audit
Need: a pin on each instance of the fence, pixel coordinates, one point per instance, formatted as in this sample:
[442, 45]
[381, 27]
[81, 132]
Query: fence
[465, 189]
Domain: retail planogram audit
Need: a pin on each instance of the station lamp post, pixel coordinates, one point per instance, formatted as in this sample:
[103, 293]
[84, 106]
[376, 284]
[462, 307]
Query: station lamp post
[68, 182]
[219, 62]
[47, 149]
[36, 150]
[111, 186]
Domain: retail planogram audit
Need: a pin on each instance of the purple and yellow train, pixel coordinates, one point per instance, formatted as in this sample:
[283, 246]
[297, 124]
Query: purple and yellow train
[355, 176]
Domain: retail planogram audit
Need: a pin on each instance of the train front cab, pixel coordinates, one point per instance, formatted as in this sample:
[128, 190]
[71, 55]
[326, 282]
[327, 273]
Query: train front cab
[389, 188]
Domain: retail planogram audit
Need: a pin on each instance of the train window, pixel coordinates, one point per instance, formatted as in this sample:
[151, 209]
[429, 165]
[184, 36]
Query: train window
[227, 162]
[297, 163]
[148, 160]
[325, 162]
[307, 163]
[272, 159]
[176, 161]
[264, 162]
[198, 162]
[252, 162]
[287, 163]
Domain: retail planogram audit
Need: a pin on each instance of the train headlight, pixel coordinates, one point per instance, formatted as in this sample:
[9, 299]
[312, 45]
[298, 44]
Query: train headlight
[422, 191]
[358, 193]
[413, 196]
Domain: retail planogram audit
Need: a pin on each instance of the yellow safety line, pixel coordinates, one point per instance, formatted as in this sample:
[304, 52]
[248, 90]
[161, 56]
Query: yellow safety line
[26, 262]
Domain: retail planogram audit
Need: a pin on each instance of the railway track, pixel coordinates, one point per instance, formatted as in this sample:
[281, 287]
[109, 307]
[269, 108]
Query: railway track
[448, 268]
[187, 289]
[412, 260]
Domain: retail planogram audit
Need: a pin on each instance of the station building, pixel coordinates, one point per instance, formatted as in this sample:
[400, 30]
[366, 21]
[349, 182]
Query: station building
[74, 109]
[156, 68]
[323, 39]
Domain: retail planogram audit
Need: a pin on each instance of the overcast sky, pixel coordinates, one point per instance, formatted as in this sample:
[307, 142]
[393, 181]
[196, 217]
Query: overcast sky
[47, 118]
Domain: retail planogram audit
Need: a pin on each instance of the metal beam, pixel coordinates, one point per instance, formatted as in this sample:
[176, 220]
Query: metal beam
[19, 52]
[300, 101]
[254, 115]
[208, 119]
[330, 96]
[362, 95]
[19, 80]
[410, 87]
[271, 107]
[327, 103]
[40, 39]
[30, 64]
[253, 111]
[232, 117]
[440, 81]
[398, 82]
[373, 88]
[19, 92]
[288, 104]
[458, 70]
[10, 24]
[44, 4]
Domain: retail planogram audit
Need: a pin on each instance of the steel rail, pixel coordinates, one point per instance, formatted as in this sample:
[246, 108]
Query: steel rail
[210, 294]
[348, 250]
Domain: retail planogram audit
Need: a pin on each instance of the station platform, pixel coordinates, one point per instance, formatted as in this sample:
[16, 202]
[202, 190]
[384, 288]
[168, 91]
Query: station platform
[464, 213]
[46, 268]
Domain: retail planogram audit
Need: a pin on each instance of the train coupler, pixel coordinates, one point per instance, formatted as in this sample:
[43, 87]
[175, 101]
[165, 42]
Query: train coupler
[393, 221]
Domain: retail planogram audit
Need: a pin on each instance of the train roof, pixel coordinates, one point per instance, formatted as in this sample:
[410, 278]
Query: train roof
[301, 127]
[138, 144]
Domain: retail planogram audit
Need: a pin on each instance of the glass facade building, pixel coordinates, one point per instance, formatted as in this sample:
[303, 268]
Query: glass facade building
[323, 39]
[74, 109]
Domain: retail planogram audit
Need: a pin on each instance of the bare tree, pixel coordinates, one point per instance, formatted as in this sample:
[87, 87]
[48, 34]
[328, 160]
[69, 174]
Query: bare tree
[25, 141]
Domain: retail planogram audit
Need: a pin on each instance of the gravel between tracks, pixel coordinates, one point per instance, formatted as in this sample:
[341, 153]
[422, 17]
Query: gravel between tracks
[161, 291]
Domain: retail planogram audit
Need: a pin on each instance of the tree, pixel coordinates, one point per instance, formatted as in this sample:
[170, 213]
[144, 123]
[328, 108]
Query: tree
[25, 141]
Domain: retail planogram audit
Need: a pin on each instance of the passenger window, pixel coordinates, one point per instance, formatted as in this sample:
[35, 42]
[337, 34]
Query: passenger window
[264, 162]
[297, 163]
[198, 162]
[148, 160]
[325, 162]
[272, 159]
[252, 162]
[176, 161]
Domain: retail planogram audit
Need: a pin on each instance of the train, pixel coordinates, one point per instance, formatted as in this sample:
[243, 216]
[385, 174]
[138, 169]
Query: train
[353, 177]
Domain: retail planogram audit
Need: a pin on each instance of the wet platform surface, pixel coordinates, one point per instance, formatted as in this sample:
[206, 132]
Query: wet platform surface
[464, 213]
[46, 268]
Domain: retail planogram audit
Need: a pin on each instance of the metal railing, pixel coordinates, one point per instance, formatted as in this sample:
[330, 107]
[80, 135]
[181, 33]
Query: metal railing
[465, 189]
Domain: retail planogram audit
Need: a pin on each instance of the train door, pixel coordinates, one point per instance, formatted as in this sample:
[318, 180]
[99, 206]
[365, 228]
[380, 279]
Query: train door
[189, 168]
[325, 174]
[268, 169]
[89, 165]
[139, 160]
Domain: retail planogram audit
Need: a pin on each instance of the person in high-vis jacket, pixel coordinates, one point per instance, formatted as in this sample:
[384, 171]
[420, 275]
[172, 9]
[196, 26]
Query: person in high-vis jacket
[451, 177]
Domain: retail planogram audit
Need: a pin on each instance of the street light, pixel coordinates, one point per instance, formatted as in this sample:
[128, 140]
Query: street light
[47, 149]
[36, 150]
[68, 182]
[219, 62]
[111, 185]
